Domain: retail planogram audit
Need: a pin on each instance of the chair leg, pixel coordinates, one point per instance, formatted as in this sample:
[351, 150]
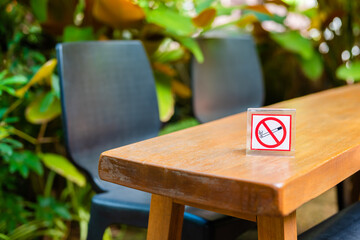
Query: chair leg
[96, 228]
[348, 191]
[98, 222]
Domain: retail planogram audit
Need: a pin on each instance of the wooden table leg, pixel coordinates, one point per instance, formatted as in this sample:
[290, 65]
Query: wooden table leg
[277, 228]
[165, 220]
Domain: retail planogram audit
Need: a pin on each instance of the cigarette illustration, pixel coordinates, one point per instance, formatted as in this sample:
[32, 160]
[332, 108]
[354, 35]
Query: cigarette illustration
[262, 135]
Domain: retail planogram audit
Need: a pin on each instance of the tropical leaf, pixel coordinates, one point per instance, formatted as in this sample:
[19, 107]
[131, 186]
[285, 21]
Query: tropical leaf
[63, 167]
[73, 34]
[201, 5]
[44, 72]
[39, 8]
[164, 95]
[14, 80]
[34, 114]
[172, 21]
[193, 46]
[294, 42]
[350, 72]
[47, 101]
[177, 126]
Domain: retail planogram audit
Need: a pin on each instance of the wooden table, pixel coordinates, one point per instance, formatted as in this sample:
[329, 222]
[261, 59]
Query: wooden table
[206, 166]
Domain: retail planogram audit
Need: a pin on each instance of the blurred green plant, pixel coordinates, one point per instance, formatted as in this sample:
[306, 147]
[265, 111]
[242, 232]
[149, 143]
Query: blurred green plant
[42, 192]
[35, 200]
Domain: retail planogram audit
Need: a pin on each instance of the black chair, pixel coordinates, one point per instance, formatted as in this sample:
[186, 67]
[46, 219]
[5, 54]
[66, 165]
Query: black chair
[108, 100]
[229, 80]
[344, 225]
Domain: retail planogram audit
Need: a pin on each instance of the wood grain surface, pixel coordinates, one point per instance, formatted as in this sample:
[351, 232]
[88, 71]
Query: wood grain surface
[279, 228]
[165, 219]
[207, 166]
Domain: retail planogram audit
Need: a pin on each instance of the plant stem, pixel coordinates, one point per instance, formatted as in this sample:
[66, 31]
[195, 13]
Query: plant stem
[73, 196]
[40, 136]
[49, 183]
[24, 136]
[12, 107]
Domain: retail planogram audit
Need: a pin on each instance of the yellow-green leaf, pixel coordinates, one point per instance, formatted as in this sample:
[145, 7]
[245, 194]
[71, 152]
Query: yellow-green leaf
[44, 72]
[193, 46]
[205, 18]
[165, 98]
[73, 34]
[247, 19]
[350, 72]
[63, 167]
[34, 114]
[172, 21]
[3, 133]
[294, 42]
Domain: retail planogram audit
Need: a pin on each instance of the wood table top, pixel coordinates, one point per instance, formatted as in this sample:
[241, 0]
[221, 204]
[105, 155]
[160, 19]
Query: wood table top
[207, 166]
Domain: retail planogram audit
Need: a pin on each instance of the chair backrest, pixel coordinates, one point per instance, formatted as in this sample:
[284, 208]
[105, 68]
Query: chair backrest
[108, 98]
[230, 79]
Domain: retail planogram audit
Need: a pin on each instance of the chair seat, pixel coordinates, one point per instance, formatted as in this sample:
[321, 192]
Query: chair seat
[344, 225]
[132, 206]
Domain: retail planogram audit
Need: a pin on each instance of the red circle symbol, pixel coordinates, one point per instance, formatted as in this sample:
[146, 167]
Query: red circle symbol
[278, 142]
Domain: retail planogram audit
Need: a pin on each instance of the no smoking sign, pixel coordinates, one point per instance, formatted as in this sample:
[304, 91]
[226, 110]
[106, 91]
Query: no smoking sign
[271, 131]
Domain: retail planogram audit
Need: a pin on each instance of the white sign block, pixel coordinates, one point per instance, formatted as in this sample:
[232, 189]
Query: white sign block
[271, 131]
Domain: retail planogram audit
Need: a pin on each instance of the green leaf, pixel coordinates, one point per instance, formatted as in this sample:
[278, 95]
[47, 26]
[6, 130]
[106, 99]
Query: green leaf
[221, 10]
[49, 209]
[73, 34]
[164, 96]
[39, 57]
[18, 79]
[7, 89]
[55, 85]
[295, 43]
[14, 143]
[166, 52]
[13, 212]
[24, 161]
[39, 8]
[23, 170]
[63, 167]
[3, 74]
[172, 21]
[193, 46]
[3, 111]
[46, 102]
[33, 112]
[183, 124]
[11, 119]
[33, 162]
[200, 5]
[5, 149]
[169, 56]
[3, 133]
[313, 67]
[351, 72]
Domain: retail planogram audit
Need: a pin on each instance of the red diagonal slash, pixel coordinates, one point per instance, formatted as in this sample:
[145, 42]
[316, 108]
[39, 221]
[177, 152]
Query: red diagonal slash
[271, 133]
[278, 142]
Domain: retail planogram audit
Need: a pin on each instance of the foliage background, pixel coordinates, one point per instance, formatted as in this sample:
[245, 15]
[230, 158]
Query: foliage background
[304, 46]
